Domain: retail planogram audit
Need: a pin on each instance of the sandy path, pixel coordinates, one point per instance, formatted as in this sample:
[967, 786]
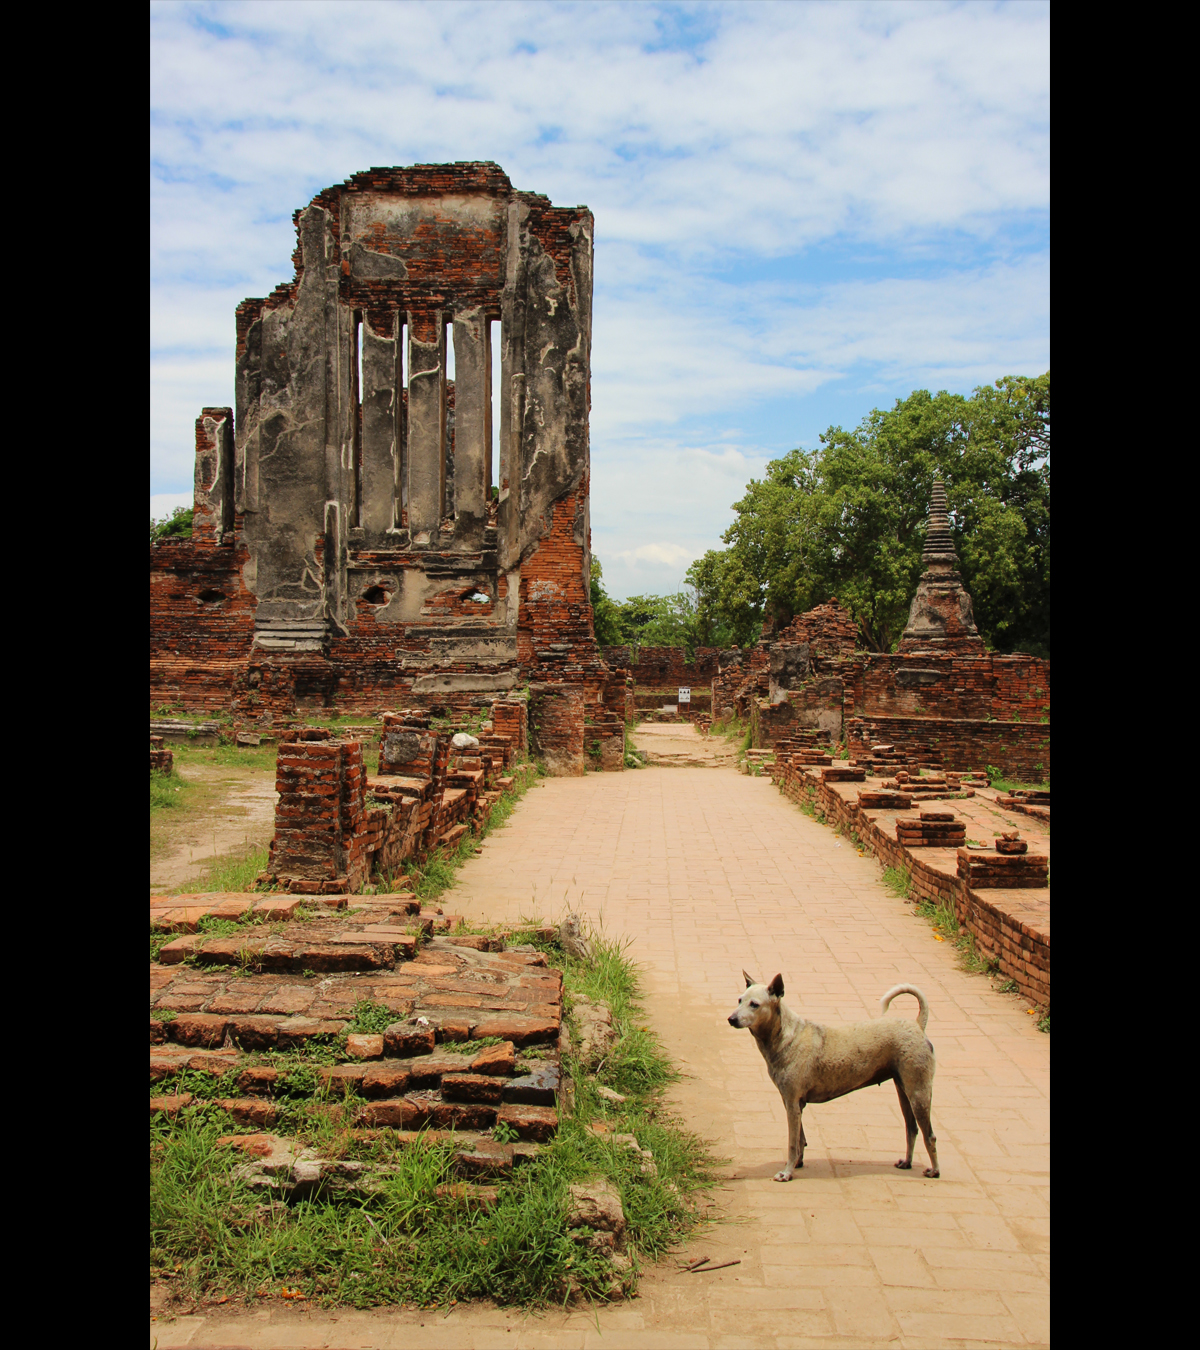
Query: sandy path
[710, 871]
[242, 814]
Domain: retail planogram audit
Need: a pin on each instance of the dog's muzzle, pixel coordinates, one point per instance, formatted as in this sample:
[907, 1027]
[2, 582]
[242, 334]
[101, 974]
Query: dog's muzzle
[733, 1020]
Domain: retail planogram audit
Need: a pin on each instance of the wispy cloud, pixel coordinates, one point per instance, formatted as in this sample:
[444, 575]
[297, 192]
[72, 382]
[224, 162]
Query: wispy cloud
[793, 202]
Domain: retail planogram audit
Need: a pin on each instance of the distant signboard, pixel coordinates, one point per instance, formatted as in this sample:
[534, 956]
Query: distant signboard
[685, 695]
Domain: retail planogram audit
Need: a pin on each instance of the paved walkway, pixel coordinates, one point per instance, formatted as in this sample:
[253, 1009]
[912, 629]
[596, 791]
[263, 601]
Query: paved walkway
[708, 871]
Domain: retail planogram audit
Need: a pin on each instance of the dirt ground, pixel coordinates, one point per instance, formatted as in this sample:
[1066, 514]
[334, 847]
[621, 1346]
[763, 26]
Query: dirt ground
[231, 809]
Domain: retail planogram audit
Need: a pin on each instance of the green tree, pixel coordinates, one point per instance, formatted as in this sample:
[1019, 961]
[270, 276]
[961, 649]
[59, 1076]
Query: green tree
[848, 519]
[605, 613]
[178, 525]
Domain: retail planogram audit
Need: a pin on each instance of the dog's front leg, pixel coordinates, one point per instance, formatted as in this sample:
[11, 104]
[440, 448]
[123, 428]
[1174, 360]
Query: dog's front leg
[796, 1142]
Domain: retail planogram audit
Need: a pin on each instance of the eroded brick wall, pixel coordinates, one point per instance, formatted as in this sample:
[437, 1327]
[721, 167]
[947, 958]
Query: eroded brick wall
[320, 820]
[664, 667]
[1020, 750]
[330, 838]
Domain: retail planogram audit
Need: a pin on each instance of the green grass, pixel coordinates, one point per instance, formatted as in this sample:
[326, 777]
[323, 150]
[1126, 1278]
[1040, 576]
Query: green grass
[1002, 784]
[898, 881]
[168, 791]
[227, 754]
[634, 758]
[231, 873]
[213, 1237]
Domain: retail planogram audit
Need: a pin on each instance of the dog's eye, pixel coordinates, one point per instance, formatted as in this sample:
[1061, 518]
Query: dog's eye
[753, 1004]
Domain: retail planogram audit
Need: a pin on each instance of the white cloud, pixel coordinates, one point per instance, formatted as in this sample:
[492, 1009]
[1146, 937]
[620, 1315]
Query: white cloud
[668, 554]
[162, 504]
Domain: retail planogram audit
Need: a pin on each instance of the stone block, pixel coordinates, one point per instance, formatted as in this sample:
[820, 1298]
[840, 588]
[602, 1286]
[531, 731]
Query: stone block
[472, 1087]
[536, 1123]
[199, 1029]
[403, 1038]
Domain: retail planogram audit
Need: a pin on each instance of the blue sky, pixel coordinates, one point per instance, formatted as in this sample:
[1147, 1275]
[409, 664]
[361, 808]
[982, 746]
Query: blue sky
[803, 211]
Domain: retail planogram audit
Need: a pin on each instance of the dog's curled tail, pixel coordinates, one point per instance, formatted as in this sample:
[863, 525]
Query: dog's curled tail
[922, 1009]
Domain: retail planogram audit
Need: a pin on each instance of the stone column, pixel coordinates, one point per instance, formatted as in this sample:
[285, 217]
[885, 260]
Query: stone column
[472, 423]
[426, 425]
[380, 442]
[213, 489]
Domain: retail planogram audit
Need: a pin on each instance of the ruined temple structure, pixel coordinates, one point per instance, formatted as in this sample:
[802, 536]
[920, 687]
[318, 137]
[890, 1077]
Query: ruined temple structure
[940, 618]
[941, 700]
[358, 544]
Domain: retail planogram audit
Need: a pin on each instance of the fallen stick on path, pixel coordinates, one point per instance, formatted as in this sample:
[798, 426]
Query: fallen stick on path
[703, 1260]
[703, 1270]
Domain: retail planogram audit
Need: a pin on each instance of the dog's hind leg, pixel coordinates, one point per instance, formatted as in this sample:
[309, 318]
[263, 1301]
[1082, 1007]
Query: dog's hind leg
[910, 1126]
[796, 1142]
[920, 1104]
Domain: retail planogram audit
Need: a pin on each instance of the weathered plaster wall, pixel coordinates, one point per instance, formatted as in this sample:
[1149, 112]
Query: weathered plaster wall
[384, 551]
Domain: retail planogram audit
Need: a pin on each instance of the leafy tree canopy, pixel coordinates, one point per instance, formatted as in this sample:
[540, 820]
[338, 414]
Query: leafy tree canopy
[651, 620]
[848, 520]
[178, 525]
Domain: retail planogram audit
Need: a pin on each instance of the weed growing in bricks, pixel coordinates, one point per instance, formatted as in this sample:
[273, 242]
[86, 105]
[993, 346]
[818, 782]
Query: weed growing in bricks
[898, 881]
[437, 873]
[371, 1019]
[1044, 1023]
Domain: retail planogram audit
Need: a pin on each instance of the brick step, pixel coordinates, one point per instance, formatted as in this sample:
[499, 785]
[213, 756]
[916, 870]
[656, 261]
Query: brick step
[182, 913]
[342, 951]
[284, 1168]
[459, 992]
[488, 1075]
[477, 1154]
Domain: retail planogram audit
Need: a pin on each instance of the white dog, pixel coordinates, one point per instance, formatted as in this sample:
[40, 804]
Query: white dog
[811, 1063]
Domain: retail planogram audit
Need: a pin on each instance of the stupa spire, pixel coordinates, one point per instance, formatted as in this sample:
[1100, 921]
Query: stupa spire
[939, 542]
[940, 618]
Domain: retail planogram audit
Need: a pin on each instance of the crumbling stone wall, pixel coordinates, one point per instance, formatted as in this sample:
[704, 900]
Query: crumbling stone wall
[357, 526]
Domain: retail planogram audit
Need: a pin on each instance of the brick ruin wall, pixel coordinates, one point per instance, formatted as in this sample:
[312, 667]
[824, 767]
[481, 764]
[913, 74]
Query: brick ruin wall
[338, 827]
[665, 667]
[972, 710]
[1021, 949]
[412, 570]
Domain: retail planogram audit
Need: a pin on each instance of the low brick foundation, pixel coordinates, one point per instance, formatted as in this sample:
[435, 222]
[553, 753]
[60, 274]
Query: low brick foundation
[1010, 927]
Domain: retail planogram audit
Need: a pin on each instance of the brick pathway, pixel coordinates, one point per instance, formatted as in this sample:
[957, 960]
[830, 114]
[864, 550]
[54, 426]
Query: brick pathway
[709, 871]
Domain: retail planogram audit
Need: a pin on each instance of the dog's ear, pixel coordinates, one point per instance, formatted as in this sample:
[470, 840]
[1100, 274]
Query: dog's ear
[775, 988]
[749, 979]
